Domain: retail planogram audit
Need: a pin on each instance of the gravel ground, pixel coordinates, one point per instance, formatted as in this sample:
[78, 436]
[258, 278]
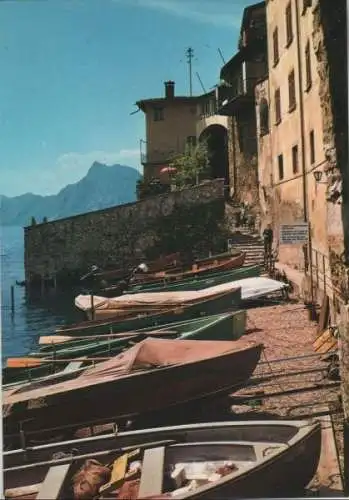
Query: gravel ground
[285, 331]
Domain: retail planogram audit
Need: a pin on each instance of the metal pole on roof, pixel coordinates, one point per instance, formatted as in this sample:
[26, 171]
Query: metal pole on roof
[190, 55]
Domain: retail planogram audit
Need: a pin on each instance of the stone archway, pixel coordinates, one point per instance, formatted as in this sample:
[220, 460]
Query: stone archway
[216, 137]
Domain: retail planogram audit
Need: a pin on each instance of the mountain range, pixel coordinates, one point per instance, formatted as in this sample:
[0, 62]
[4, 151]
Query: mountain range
[102, 187]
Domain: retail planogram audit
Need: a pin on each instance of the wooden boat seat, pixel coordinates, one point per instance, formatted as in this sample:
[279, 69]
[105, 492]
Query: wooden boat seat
[152, 472]
[53, 483]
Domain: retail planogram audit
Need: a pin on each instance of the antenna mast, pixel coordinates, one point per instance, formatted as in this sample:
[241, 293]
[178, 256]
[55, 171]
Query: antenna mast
[202, 85]
[190, 55]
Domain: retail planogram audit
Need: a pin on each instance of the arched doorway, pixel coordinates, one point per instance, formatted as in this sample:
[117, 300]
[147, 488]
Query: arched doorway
[216, 138]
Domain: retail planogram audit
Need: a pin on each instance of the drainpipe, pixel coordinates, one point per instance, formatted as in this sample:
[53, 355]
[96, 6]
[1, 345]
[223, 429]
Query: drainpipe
[304, 166]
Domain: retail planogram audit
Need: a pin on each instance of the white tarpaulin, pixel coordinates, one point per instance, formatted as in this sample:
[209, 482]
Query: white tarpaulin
[250, 288]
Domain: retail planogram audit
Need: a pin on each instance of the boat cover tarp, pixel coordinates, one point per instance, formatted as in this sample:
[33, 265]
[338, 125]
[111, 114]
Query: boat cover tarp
[251, 288]
[83, 302]
[149, 353]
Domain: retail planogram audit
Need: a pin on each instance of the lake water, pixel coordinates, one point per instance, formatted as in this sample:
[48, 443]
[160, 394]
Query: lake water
[32, 317]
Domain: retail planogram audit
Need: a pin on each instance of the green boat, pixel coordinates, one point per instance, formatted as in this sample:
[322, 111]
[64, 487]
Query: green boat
[227, 326]
[200, 283]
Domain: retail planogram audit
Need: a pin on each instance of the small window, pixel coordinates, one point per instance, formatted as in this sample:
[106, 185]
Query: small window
[295, 164]
[289, 27]
[158, 114]
[312, 147]
[276, 46]
[264, 117]
[291, 91]
[277, 106]
[307, 67]
[281, 167]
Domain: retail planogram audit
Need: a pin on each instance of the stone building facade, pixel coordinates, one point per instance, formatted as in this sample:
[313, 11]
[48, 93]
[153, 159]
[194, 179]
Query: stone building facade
[236, 101]
[302, 130]
[170, 126]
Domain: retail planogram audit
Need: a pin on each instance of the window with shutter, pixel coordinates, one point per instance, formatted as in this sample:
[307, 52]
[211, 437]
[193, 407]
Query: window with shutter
[291, 91]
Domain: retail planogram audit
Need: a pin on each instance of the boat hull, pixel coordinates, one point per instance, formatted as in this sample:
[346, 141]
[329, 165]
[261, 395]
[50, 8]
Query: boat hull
[212, 305]
[200, 283]
[228, 326]
[283, 475]
[131, 396]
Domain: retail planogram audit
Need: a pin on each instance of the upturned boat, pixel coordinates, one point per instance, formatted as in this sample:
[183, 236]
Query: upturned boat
[188, 284]
[153, 375]
[210, 301]
[208, 461]
[227, 326]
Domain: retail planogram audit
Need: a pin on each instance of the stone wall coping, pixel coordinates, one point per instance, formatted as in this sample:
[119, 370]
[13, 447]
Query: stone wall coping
[174, 194]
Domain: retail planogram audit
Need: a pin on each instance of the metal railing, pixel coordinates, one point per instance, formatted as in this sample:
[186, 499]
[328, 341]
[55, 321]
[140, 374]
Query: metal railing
[321, 271]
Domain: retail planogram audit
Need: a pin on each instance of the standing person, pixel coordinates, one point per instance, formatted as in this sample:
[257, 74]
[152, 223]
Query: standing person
[238, 218]
[243, 215]
[268, 237]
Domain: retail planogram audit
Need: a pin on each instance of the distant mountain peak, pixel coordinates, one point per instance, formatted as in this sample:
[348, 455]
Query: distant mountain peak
[102, 187]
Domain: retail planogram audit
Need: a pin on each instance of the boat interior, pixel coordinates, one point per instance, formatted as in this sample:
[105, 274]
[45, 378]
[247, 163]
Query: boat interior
[179, 468]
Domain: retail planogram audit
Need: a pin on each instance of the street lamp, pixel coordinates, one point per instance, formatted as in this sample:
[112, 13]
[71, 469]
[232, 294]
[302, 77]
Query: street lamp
[318, 176]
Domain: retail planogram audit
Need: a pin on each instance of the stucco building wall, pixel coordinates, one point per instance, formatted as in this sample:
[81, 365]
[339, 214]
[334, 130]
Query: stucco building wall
[297, 197]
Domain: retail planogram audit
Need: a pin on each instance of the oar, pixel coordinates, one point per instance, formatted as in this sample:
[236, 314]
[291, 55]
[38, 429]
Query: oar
[32, 362]
[57, 339]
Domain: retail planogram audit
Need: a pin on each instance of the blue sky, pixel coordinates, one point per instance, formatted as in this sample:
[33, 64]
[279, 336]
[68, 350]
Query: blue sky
[72, 71]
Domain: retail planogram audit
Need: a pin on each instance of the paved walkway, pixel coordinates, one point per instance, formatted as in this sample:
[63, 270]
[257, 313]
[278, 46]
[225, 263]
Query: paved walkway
[294, 275]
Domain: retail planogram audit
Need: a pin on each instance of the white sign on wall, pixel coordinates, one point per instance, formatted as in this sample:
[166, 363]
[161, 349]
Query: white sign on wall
[294, 234]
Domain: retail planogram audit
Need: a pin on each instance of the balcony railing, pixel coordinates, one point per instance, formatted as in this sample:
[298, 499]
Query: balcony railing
[231, 97]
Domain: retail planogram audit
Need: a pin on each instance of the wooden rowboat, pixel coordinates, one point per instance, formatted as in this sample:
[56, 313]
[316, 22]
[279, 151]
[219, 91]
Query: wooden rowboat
[133, 322]
[152, 375]
[168, 261]
[227, 326]
[199, 269]
[210, 301]
[211, 461]
[196, 283]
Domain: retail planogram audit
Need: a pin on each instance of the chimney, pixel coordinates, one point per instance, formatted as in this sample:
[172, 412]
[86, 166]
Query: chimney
[169, 89]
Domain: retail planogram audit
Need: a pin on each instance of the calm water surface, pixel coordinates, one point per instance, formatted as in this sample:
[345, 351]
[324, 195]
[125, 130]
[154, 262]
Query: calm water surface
[32, 317]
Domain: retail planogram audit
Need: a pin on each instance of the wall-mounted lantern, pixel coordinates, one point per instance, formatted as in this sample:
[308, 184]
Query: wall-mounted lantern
[318, 176]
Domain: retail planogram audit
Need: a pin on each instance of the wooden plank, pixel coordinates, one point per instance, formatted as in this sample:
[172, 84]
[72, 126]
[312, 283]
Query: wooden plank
[152, 472]
[53, 483]
[117, 474]
[21, 491]
[327, 346]
[324, 314]
[328, 472]
[321, 339]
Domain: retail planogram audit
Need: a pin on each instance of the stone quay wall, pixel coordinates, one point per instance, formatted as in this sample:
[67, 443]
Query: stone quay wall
[64, 249]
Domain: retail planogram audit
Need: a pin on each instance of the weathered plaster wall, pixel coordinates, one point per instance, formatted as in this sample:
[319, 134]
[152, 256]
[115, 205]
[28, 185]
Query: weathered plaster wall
[330, 42]
[265, 160]
[242, 150]
[124, 234]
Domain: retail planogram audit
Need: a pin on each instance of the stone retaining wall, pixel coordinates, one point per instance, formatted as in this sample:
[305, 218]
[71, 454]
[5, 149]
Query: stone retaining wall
[118, 236]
